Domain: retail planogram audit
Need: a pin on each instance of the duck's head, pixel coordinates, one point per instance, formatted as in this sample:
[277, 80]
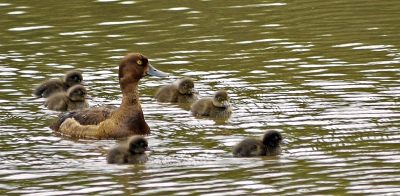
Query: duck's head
[135, 66]
[272, 138]
[137, 145]
[221, 99]
[186, 86]
[73, 77]
[77, 93]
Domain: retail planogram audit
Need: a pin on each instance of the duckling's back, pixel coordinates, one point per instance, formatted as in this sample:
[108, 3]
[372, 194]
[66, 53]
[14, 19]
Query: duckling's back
[249, 148]
[49, 87]
[167, 93]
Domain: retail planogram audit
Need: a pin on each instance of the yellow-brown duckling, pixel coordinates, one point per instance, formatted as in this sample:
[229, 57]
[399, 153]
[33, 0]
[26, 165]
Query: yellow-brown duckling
[217, 106]
[183, 92]
[75, 98]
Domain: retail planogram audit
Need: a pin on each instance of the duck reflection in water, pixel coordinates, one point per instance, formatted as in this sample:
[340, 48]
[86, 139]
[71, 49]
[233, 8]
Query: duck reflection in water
[50, 87]
[183, 92]
[132, 153]
[268, 146]
[75, 98]
[217, 106]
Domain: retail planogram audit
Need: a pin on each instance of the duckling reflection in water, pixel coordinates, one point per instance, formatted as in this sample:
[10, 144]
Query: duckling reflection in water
[268, 146]
[217, 106]
[75, 98]
[133, 153]
[50, 87]
[183, 92]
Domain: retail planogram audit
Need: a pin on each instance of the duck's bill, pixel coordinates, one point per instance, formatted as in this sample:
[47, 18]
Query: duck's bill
[227, 104]
[154, 72]
[284, 142]
[195, 91]
[88, 97]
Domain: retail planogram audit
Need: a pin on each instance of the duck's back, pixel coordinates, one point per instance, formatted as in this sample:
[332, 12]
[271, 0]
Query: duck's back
[249, 148]
[49, 87]
[92, 116]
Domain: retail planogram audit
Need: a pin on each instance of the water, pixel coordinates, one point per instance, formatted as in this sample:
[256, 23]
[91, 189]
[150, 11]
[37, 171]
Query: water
[325, 74]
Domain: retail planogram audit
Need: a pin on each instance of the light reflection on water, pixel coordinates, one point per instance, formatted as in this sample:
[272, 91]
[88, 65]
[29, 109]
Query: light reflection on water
[324, 74]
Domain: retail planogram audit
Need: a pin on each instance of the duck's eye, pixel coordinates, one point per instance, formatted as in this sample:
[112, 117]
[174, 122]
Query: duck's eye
[219, 99]
[76, 79]
[80, 92]
[139, 62]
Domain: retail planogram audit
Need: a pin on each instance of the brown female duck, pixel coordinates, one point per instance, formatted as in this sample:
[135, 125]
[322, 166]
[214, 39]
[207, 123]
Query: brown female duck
[74, 99]
[133, 153]
[268, 146]
[217, 106]
[49, 87]
[108, 122]
[183, 92]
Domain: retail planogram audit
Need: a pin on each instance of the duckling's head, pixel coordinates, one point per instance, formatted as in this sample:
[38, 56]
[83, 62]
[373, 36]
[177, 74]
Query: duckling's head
[272, 138]
[77, 93]
[73, 77]
[137, 145]
[186, 86]
[135, 66]
[221, 99]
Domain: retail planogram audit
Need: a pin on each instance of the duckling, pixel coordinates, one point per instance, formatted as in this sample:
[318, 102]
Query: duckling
[114, 123]
[49, 87]
[183, 92]
[217, 106]
[268, 146]
[134, 153]
[75, 98]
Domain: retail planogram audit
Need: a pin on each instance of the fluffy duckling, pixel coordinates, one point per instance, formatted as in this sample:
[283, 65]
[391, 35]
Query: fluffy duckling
[74, 99]
[110, 122]
[268, 146]
[49, 87]
[183, 92]
[134, 153]
[217, 106]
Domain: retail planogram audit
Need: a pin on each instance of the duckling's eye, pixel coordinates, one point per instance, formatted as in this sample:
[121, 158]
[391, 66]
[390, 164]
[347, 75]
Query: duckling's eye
[76, 79]
[219, 99]
[139, 62]
[80, 92]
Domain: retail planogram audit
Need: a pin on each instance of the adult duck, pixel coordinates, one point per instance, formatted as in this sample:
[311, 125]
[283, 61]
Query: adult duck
[133, 152]
[50, 87]
[108, 122]
[75, 98]
[268, 146]
[217, 106]
[183, 92]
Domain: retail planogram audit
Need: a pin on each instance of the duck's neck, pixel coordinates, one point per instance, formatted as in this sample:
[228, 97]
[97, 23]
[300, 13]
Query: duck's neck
[130, 93]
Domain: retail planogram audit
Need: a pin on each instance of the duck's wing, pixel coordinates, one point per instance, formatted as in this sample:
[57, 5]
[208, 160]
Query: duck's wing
[88, 116]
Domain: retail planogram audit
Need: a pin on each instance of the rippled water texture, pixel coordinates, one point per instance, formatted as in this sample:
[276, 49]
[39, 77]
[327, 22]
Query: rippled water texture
[323, 73]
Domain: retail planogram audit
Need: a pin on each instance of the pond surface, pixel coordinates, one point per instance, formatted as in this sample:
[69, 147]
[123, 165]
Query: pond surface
[326, 74]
